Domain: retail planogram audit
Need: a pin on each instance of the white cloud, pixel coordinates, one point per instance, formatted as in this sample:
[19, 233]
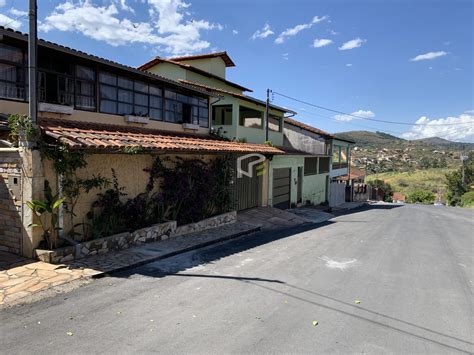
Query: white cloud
[428, 56]
[16, 12]
[334, 33]
[7, 21]
[167, 28]
[462, 130]
[285, 56]
[124, 6]
[353, 43]
[349, 65]
[235, 32]
[263, 33]
[360, 114]
[321, 42]
[293, 31]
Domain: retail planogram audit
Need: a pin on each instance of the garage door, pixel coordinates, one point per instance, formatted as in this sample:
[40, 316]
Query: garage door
[281, 188]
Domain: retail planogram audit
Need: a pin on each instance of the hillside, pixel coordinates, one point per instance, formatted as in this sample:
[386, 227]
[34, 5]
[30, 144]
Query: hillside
[381, 152]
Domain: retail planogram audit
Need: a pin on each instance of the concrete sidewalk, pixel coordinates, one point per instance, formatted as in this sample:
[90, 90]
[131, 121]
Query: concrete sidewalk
[23, 279]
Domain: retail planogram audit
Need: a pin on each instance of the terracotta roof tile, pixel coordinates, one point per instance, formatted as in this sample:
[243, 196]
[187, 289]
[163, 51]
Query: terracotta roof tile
[96, 136]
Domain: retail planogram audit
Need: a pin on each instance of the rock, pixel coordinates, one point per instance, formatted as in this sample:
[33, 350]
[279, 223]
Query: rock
[69, 257]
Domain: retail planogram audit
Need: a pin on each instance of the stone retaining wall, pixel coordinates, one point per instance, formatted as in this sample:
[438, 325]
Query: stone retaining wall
[10, 201]
[126, 240]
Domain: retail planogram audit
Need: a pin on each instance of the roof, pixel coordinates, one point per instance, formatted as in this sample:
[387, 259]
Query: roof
[354, 174]
[7, 32]
[213, 89]
[107, 137]
[398, 196]
[158, 60]
[309, 128]
[223, 55]
[293, 151]
[344, 140]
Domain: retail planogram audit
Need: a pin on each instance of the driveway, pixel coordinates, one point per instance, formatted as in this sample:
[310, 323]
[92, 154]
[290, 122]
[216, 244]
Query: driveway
[410, 267]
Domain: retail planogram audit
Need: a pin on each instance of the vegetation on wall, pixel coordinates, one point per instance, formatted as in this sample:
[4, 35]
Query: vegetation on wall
[385, 187]
[21, 127]
[47, 208]
[66, 164]
[185, 190]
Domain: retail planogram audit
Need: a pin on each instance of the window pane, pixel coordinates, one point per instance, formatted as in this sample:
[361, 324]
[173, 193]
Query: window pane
[108, 92]
[125, 96]
[169, 105]
[323, 165]
[11, 90]
[156, 114]
[125, 83]
[85, 88]
[108, 78]
[154, 90]
[183, 98]
[141, 86]
[85, 73]
[11, 54]
[169, 116]
[124, 109]
[108, 106]
[9, 72]
[170, 94]
[141, 99]
[336, 153]
[310, 166]
[156, 102]
[85, 102]
[203, 112]
[140, 110]
[203, 102]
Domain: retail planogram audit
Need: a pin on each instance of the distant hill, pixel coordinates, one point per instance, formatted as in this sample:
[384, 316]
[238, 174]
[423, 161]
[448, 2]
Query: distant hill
[381, 152]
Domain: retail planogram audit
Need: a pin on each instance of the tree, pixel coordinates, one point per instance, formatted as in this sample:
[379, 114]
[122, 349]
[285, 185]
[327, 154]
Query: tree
[455, 185]
[421, 196]
[385, 187]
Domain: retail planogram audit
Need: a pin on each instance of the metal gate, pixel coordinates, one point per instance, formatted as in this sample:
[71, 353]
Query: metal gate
[281, 188]
[248, 190]
[337, 194]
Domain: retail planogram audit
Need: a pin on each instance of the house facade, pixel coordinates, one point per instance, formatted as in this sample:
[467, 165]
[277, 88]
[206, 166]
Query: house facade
[105, 110]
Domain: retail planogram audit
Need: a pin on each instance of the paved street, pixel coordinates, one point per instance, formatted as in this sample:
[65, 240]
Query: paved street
[411, 268]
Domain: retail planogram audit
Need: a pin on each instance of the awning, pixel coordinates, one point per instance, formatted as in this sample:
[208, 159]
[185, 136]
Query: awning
[106, 137]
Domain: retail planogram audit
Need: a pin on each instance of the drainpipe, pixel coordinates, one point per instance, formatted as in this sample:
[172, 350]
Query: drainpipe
[59, 184]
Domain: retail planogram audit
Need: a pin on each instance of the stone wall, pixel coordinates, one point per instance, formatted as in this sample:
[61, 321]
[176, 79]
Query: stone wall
[155, 233]
[10, 201]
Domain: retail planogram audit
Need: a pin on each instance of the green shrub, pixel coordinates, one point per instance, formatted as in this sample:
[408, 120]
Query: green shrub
[421, 196]
[467, 200]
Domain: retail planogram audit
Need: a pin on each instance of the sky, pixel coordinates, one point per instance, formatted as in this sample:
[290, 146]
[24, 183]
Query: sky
[404, 61]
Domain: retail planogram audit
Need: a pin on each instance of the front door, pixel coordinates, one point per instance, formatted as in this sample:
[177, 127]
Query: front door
[281, 188]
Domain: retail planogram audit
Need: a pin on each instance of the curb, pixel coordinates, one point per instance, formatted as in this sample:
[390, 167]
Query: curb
[176, 252]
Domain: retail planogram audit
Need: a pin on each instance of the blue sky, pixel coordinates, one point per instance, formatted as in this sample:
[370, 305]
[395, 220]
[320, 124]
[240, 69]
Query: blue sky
[403, 61]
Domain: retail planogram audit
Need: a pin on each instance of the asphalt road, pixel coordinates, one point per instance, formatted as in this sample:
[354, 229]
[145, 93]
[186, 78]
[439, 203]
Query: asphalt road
[411, 267]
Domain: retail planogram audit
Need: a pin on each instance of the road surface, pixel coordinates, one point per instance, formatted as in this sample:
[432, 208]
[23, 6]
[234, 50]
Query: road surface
[411, 268]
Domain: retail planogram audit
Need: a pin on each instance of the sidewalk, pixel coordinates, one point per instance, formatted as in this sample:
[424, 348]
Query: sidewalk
[21, 278]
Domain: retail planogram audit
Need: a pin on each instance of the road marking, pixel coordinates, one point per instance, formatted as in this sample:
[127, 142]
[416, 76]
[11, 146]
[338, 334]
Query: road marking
[341, 265]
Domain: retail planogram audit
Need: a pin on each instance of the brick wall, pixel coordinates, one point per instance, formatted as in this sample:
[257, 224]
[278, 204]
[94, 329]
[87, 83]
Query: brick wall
[10, 202]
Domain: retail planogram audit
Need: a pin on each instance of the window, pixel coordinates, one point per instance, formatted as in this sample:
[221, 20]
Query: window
[250, 118]
[343, 159]
[323, 165]
[156, 103]
[274, 123]
[310, 166]
[56, 88]
[222, 115]
[85, 88]
[12, 73]
[181, 108]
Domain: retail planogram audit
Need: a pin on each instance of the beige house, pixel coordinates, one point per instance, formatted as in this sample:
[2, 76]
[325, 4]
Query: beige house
[105, 110]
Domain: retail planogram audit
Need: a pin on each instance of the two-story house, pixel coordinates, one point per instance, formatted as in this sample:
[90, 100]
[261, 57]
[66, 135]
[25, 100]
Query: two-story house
[235, 115]
[102, 108]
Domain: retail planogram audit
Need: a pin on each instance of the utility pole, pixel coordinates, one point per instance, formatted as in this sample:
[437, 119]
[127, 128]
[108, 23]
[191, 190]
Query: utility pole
[267, 110]
[463, 159]
[32, 62]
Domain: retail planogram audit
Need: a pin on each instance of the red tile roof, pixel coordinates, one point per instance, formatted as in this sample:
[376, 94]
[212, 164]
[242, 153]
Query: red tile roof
[107, 137]
[214, 90]
[309, 128]
[225, 57]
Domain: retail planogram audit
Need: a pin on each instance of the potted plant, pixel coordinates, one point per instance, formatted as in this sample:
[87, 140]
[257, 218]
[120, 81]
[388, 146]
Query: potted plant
[22, 130]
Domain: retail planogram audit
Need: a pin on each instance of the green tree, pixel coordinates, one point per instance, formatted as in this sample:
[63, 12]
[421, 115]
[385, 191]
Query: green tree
[455, 186]
[421, 196]
[385, 187]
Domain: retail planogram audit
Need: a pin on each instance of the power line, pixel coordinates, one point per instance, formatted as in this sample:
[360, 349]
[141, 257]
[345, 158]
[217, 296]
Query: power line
[370, 119]
[13, 20]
